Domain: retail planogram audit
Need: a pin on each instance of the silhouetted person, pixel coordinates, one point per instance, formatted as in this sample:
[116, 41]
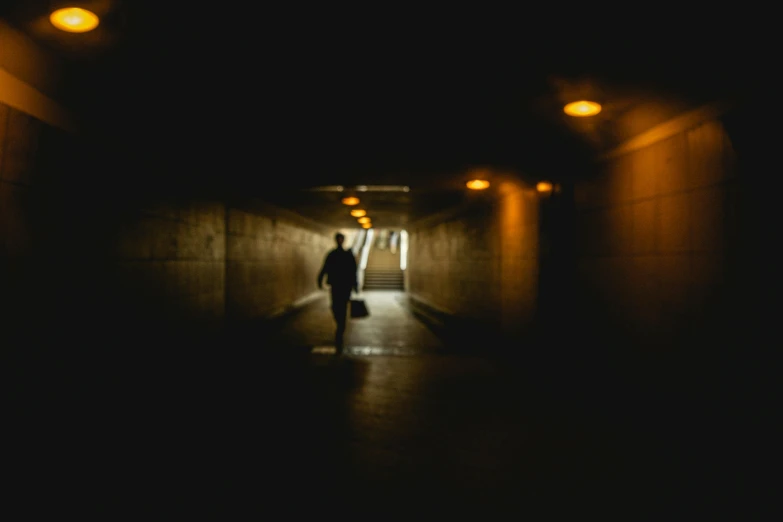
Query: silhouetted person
[340, 271]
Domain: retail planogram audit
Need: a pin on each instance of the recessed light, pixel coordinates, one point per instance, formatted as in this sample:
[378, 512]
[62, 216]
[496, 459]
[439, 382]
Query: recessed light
[582, 108]
[74, 20]
[544, 187]
[477, 184]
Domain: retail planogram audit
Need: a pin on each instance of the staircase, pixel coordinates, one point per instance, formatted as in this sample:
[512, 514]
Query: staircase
[383, 271]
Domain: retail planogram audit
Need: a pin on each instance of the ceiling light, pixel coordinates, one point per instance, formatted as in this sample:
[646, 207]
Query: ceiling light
[363, 220]
[582, 108]
[74, 20]
[366, 225]
[351, 201]
[544, 187]
[358, 213]
[477, 184]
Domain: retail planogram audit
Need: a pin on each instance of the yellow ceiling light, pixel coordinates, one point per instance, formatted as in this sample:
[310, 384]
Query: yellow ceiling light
[366, 225]
[350, 201]
[363, 220]
[544, 187]
[358, 213]
[582, 108]
[74, 20]
[477, 184]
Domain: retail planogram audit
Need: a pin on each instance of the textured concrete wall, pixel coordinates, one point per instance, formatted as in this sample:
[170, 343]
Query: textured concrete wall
[271, 262]
[110, 265]
[168, 262]
[657, 234]
[36, 237]
[481, 264]
[201, 262]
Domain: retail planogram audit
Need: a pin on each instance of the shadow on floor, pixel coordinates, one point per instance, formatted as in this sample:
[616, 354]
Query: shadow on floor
[193, 424]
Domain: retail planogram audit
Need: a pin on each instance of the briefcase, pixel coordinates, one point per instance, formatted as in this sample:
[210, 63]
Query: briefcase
[359, 309]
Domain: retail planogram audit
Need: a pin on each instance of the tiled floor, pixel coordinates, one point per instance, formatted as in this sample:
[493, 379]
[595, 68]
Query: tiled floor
[390, 329]
[454, 431]
[372, 434]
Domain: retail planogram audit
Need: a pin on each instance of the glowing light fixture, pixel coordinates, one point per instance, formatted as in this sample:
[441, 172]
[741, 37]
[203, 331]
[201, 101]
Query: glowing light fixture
[366, 225]
[358, 213]
[582, 108]
[477, 184]
[363, 220]
[74, 20]
[351, 201]
[544, 187]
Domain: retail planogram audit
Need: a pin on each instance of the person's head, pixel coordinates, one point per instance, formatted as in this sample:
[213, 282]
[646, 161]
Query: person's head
[339, 238]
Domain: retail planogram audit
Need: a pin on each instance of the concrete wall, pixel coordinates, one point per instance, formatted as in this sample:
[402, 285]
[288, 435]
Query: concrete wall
[30, 78]
[78, 259]
[481, 264]
[657, 245]
[36, 237]
[272, 262]
[206, 261]
[641, 259]
[167, 262]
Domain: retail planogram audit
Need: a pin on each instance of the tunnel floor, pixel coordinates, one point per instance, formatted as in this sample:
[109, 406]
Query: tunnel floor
[399, 422]
[397, 426]
[390, 328]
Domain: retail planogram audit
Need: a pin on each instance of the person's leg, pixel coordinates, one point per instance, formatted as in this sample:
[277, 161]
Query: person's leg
[339, 311]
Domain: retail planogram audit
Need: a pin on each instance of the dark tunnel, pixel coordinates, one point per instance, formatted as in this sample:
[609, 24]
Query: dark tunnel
[564, 308]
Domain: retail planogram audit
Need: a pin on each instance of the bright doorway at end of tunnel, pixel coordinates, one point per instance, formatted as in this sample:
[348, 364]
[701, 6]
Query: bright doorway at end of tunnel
[384, 259]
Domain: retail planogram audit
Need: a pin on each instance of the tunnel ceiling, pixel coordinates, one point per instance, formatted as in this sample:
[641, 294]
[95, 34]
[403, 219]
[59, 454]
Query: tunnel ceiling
[266, 103]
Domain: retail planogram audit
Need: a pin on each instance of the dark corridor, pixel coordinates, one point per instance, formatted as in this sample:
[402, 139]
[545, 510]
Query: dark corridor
[574, 326]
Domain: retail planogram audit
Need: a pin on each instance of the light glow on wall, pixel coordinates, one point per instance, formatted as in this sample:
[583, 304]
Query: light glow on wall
[403, 250]
[358, 241]
[366, 249]
[74, 20]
